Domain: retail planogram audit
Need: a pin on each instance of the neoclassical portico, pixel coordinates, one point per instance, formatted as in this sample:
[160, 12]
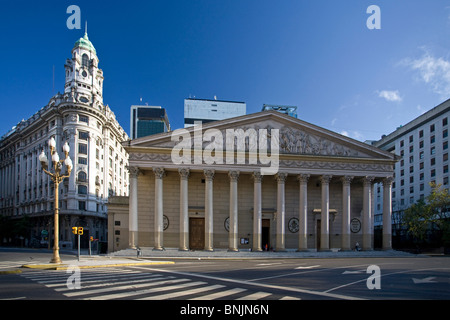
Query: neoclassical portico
[234, 206]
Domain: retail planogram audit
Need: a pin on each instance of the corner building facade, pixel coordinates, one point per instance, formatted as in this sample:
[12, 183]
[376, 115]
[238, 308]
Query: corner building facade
[79, 117]
[321, 196]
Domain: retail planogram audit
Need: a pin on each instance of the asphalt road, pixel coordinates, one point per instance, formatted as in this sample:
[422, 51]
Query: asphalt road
[383, 279]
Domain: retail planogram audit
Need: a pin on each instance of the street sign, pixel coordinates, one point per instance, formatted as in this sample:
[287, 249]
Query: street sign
[44, 233]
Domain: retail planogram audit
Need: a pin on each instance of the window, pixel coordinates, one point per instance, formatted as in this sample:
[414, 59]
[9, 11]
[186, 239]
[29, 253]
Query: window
[445, 145]
[421, 177]
[445, 157]
[422, 187]
[82, 205]
[421, 166]
[421, 144]
[83, 135]
[82, 190]
[445, 169]
[433, 161]
[444, 122]
[432, 128]
[432, 150]
[411, 149]
[85, 60]
[411, 138]
[82, 176]
[82, 160]
[84, 119]
[445, 133]
[421, 154]
[402, 143]
[411, 159]
[411, 169]
[421, 134]
[433, 173]
[432, 139]
[82, 148]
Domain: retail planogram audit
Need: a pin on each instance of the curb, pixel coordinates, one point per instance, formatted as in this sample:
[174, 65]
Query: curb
[16, 271]
[66, 266]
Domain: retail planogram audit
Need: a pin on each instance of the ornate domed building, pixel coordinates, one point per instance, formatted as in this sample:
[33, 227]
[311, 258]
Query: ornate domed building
[80, 118]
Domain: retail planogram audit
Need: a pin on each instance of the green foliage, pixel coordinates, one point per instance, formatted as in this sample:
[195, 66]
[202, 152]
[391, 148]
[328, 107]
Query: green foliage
[430, 214]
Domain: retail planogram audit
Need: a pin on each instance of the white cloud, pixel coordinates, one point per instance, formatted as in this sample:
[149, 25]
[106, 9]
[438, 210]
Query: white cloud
[390, 95]
[433, 71]
[353, 134]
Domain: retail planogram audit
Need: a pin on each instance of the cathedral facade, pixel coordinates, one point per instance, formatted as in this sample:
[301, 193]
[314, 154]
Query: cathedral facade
[202, 189]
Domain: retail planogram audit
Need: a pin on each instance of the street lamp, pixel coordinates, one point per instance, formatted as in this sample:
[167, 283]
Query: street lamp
[57, 178]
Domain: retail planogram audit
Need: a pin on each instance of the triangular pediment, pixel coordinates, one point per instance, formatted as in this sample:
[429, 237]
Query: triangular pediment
[296, 137]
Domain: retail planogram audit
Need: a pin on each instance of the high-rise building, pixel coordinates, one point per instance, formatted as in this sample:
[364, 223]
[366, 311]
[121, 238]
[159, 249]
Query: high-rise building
[148, 120]
[289, 110]
[205, 110]
[79, 117]
[423, 146]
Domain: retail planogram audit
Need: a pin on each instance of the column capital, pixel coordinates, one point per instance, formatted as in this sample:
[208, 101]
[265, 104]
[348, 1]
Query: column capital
[367, 180]
[302, 177]
[346, 180]
[257, 176]
[325, 179]
[281, 176]
[133, 171]
[209, 174]
[388, 181]
[184, 173]
[234, 175]
[159, 172]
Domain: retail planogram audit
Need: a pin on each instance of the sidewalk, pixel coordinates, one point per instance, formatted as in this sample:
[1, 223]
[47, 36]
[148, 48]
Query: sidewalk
[174, 253]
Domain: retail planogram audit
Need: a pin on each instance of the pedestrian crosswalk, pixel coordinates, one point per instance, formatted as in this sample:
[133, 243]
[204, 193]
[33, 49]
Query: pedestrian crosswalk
[124, 284]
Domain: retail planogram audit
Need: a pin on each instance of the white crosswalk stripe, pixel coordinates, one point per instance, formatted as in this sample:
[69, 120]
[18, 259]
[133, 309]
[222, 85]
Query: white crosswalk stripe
[107, 284]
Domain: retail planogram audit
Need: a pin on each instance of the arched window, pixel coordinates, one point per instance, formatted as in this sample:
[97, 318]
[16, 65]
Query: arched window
[85, 60]
[81, 176]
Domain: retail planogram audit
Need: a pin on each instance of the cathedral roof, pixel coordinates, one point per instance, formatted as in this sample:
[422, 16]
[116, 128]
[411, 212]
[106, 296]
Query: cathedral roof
[85, 43]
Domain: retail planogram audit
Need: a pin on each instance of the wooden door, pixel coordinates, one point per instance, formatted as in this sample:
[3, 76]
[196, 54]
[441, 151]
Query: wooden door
[196, 233]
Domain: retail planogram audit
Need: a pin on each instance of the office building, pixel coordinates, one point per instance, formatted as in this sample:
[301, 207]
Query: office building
[289, 110]
[205, 110]
[148, 120]
[423, 147]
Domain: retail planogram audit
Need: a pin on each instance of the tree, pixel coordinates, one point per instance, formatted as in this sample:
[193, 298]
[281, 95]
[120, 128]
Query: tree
[430, 214]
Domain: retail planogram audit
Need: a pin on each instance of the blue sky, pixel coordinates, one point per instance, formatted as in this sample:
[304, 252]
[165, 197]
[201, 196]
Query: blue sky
[316, 55]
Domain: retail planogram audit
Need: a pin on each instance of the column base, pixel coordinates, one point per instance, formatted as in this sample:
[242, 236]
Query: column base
[233, 250]
[158, 249]
[208, 249]
[183, 249]
[302, 250]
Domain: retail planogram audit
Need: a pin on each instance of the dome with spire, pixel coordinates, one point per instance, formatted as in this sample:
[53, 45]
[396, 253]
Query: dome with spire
[85, 43]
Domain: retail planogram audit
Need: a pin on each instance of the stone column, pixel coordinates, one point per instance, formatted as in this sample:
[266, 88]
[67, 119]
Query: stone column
[303, 213]
[133, 208]
[209, 175]
[233, 230]
[346, 212]
[159, 227]
[387, 213]
[257, 210]
[325, 214]
[184, 213]
[367, 214]
[281, 179]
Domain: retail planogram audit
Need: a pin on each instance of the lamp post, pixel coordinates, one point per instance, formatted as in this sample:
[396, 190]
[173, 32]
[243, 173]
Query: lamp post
[57, 178]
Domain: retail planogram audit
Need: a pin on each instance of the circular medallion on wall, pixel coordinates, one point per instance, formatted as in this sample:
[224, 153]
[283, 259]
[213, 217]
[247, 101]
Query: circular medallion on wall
[355, 225]
[226, 224]
[165, 222]
[293, 225]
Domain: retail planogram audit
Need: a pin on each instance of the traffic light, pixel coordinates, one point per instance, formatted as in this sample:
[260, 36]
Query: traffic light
[77, 230]
[91, 238]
